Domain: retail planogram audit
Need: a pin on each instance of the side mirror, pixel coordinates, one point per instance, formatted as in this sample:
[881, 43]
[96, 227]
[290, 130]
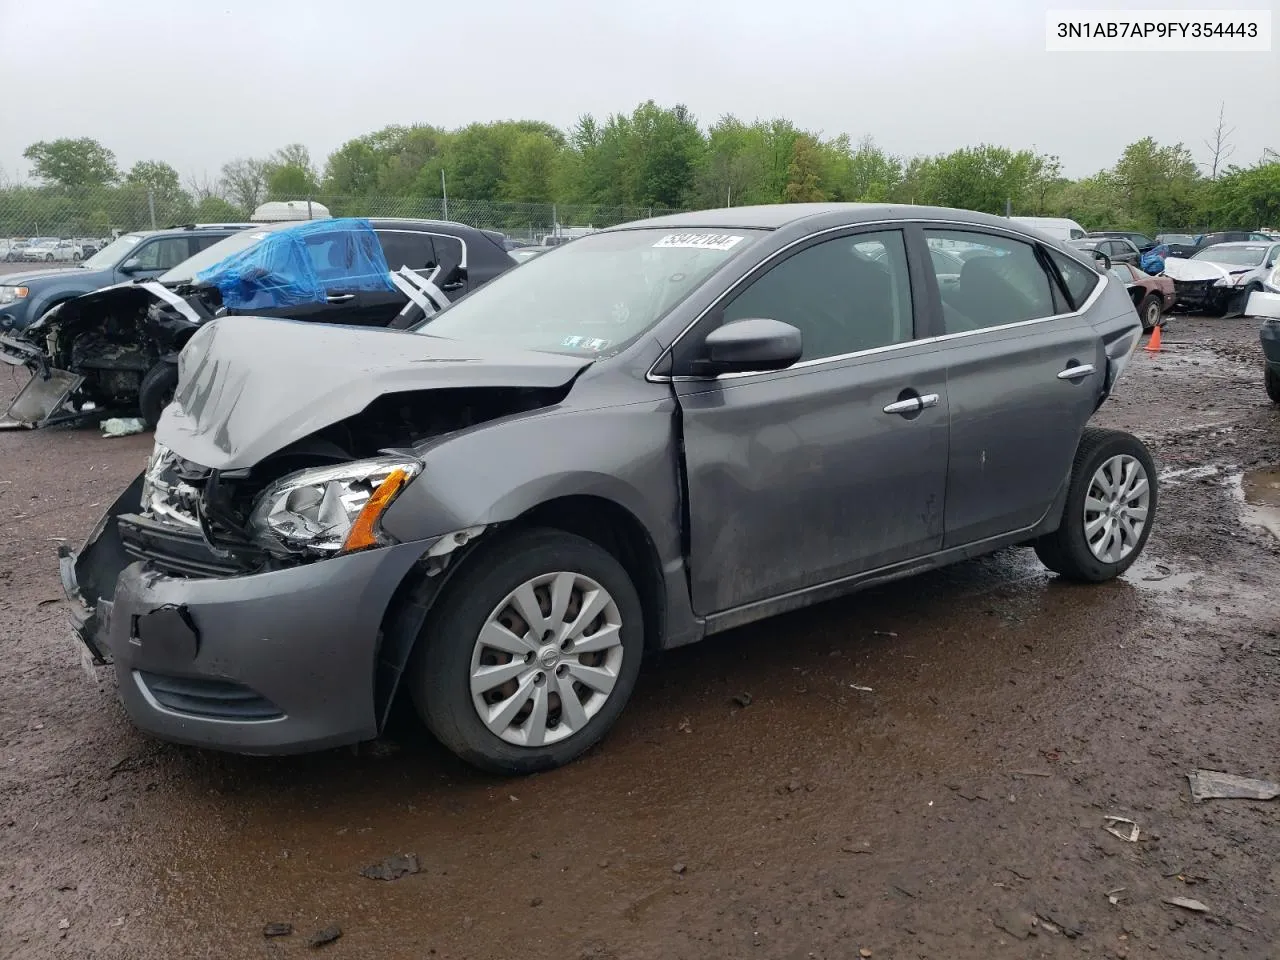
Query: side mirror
[749, 346]
[132, 265]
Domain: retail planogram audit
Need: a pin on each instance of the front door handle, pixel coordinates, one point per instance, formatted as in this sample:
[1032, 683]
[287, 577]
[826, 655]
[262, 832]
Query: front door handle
[340, 297]
[912, 404]
[1076, 372]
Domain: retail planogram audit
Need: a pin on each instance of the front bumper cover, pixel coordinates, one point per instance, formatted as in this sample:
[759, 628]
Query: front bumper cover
[277, 662]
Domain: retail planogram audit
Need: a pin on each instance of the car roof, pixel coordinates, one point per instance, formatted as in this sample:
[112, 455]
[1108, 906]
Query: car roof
[775, 216]
[1241, 244]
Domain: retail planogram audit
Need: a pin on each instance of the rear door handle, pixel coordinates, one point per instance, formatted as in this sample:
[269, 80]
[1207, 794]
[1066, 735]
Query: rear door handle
[340, 297]
[1075, 373]
[912, 404]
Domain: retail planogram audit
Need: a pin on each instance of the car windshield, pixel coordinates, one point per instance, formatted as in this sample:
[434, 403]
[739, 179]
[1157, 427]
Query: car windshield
[592, 296]
[113, 253]
[1182, 239]
[1250, 256]
[206, 258]
[1083, 244]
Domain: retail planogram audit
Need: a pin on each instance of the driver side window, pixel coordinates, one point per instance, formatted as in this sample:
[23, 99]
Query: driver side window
[844, 295]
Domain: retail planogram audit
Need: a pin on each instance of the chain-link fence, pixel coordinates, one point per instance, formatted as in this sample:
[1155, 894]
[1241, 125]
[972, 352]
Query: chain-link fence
[28, 213]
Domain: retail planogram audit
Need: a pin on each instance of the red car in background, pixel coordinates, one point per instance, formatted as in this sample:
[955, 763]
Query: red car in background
[1153, 296]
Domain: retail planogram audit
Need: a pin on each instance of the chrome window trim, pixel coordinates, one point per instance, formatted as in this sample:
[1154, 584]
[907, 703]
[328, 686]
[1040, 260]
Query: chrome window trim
[652, 377]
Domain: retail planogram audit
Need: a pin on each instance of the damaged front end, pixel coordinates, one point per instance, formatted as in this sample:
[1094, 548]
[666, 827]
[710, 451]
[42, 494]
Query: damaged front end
[88, 356]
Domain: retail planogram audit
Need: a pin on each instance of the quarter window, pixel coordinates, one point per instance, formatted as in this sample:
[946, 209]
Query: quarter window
[844, 295]
[1078, 278]
[449, 254]
[1001, 283]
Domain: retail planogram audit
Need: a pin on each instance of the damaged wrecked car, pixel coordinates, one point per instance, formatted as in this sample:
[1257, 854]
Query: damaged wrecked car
[116, 349]
[652, 434]
[1219, 279]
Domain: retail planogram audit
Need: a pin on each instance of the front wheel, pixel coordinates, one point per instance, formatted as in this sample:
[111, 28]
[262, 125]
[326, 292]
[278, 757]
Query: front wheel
[531, 654]
[156, 391]
[1111, 503]
[1150, 311]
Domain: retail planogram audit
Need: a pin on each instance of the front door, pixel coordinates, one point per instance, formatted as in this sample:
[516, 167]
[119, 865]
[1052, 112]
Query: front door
[834, 466]
[1023, 374]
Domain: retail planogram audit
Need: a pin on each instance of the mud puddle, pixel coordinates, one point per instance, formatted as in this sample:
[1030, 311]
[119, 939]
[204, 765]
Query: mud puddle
[1259, 492]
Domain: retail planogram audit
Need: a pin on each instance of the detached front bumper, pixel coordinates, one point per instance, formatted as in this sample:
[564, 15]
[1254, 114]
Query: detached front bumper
[268, 663]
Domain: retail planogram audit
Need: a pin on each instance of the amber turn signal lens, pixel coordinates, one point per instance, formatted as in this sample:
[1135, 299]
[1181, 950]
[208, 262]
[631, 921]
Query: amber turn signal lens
[363, 533]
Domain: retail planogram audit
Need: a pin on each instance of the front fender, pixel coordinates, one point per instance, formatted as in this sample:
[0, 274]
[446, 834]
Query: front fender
[494, 472]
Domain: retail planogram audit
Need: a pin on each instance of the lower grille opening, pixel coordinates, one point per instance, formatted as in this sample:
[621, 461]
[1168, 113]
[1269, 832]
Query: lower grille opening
[210, 699]
[178, 551]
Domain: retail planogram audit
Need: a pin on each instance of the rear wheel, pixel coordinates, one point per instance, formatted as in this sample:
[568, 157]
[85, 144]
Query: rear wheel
[1272, 382]
[1150, 311]
[156, 391]
[1111, 502]
[531, 654]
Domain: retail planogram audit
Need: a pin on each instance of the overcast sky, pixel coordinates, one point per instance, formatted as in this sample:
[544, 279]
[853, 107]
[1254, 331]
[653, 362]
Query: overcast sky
[198, 82]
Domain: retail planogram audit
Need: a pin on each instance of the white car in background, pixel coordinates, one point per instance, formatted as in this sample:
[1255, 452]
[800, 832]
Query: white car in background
[51, 251]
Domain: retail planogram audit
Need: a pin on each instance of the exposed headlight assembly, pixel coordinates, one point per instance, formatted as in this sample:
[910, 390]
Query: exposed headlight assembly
[11, 294]
[331, 510]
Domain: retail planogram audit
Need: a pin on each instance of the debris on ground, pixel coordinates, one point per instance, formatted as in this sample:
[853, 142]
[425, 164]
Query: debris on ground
[277, 930]
[679, 868]
[1116, 830]
[1113, 896]
[326, 936]
[393, 868]
[883, 633]
[1186, 903]
[684, 726]
[122, 426]
[743, 699]
[1214, 785]
[1016, 923]
[861, 689]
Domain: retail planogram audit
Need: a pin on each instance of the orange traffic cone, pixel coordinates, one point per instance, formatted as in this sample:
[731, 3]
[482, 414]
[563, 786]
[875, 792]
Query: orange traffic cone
[1153, 344]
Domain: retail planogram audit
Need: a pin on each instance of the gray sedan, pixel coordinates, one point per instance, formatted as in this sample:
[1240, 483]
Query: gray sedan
[655, 433]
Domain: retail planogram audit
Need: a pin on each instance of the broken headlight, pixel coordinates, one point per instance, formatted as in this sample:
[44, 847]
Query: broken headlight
[332, 509]
[10, 294]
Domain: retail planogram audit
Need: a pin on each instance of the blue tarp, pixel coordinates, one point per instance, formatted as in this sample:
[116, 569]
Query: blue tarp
[302, 264]
[1153, 260]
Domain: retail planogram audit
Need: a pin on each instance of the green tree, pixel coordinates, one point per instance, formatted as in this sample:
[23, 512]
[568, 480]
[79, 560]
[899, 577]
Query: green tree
[1160, 184]
[290, 173]
[804, 174]
[531, 169]
[159, 178]
[72, 163]
[352, 169]
[871, 174]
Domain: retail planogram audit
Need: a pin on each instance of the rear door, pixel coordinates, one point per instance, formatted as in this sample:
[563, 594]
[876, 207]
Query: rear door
[1024, 372]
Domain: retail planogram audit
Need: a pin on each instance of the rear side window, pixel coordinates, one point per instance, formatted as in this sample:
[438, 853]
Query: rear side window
[449, 252]
[1078, 279]
[1003, 282]
[404, 248]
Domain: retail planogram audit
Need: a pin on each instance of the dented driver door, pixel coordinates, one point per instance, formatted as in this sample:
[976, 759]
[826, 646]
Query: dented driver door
[835, 466]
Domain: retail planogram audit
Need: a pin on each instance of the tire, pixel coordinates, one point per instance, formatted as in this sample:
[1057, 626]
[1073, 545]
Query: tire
[1149, 310]
[157, 391]
[1067, 551]
[48, 258]
[1271, 380]
[448, 651]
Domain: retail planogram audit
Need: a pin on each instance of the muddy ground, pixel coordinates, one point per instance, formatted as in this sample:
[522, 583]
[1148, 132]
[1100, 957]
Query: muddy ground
[954, 809]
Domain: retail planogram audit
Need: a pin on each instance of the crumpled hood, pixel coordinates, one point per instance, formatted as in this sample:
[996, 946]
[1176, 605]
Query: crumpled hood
[1191, 271]
[249, 386]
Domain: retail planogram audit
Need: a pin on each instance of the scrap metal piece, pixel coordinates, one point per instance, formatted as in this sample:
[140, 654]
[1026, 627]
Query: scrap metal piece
[1128, 836]
[1215, 785]
[42, 399]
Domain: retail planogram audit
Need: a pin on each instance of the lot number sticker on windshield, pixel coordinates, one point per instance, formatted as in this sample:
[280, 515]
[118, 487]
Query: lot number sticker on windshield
[699, 241]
